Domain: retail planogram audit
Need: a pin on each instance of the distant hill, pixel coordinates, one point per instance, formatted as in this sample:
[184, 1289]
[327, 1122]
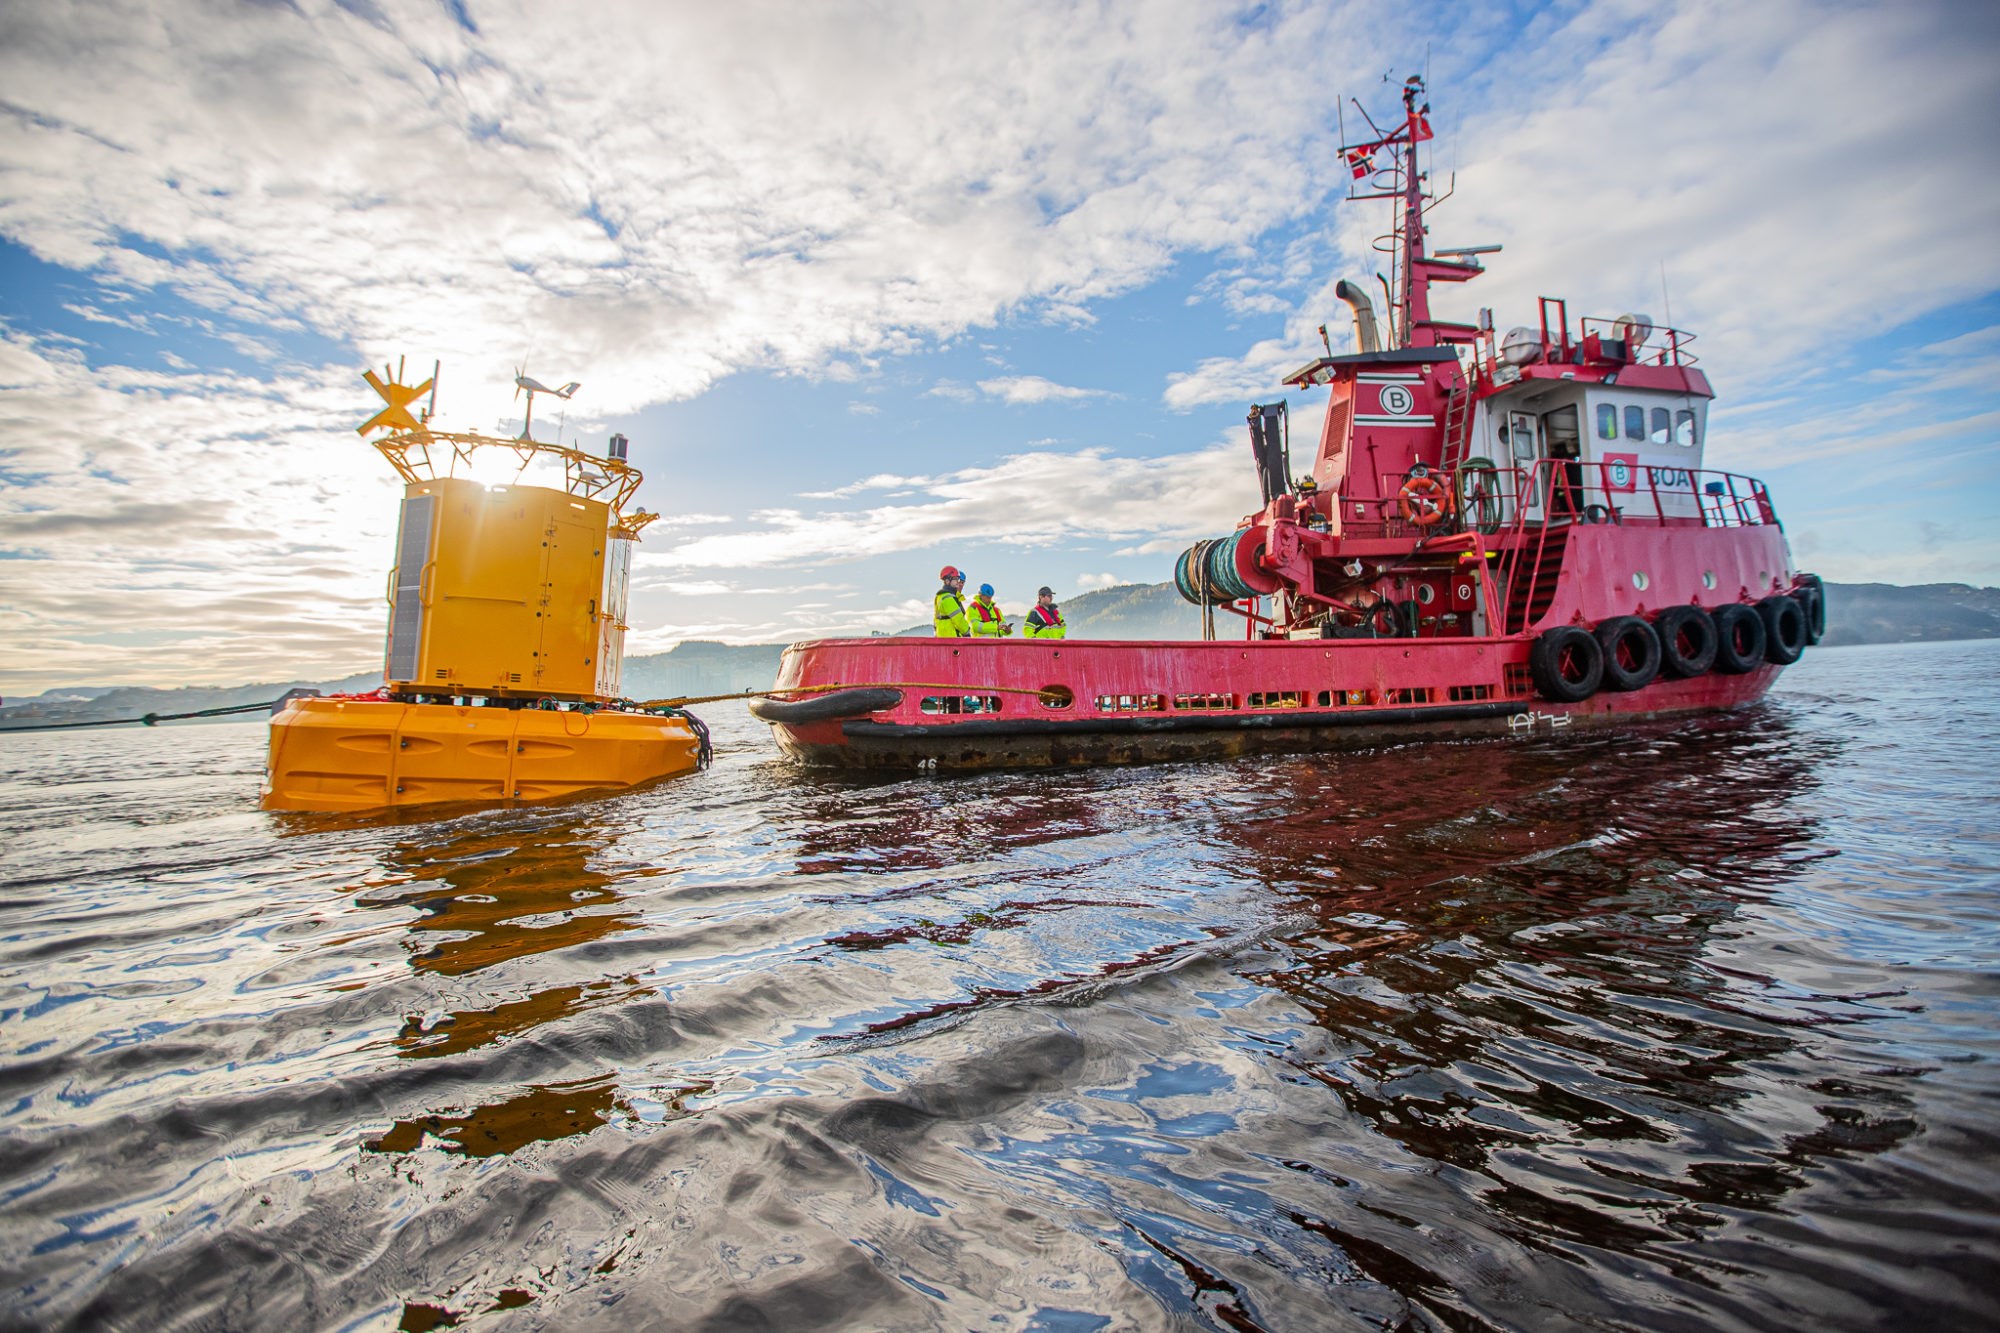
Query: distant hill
[700, 667]
[1887, 613]
[97, 703]
[1856, 613]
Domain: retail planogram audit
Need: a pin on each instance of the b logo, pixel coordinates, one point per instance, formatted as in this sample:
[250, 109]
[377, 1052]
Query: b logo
[1397, 401]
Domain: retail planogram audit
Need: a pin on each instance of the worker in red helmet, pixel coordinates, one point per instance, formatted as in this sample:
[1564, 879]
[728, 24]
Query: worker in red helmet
[1045, 621]
[948, 607]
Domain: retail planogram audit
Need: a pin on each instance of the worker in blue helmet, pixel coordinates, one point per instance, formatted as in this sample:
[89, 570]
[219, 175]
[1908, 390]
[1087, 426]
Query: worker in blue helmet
[988, 620]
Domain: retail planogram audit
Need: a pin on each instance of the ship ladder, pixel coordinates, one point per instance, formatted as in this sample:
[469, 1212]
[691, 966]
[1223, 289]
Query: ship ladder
[1532, 572]
[1457, 424]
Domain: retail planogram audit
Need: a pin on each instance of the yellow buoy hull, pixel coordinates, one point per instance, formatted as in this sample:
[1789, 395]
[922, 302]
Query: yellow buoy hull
[365, 754]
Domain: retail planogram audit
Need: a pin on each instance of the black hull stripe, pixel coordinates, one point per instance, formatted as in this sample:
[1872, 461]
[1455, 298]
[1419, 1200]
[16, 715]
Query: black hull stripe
[1127, 726]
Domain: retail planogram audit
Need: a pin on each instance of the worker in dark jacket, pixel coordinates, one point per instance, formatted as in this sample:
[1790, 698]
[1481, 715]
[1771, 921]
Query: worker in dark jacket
[1045, 621]
[948, 607]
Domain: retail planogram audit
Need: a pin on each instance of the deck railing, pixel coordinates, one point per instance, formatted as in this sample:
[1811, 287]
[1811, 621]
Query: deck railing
[1671, 351]
[1553, 490]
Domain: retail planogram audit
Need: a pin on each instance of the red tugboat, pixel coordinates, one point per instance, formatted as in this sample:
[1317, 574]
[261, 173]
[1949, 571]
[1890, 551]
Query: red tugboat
[1495, 537]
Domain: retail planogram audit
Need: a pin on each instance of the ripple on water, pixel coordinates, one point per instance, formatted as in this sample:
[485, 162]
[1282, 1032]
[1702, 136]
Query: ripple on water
[1690, 1025]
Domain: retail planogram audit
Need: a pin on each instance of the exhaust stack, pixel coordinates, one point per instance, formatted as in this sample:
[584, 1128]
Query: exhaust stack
[1364, 314]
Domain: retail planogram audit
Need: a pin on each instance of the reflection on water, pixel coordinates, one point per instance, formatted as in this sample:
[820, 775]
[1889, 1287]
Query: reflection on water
[485, 898]
[423, 1038]
[538, 1115]
[1686, 1026]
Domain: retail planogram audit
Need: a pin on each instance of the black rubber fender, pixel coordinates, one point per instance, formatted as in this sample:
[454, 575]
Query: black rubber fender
[1566, 664]
[828, 707]
[1785, 631]
[1687, 641]
[1810, 593]
[1739, 639]
[1631, 652]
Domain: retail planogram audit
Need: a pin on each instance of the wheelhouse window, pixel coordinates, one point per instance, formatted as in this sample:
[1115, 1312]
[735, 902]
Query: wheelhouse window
[1635, 423]
[1607, 421]
[1684, 427]
[1662, 425]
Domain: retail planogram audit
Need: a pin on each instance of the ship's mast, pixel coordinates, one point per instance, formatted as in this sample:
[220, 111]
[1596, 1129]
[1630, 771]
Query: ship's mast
[1407, 289]
[1416, 283]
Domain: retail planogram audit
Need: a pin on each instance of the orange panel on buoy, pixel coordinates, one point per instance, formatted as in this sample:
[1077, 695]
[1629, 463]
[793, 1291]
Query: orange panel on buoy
[360, 754]
[499, 590]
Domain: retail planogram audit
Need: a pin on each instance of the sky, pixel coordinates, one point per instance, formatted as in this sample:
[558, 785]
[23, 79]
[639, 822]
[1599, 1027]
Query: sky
[877, 287]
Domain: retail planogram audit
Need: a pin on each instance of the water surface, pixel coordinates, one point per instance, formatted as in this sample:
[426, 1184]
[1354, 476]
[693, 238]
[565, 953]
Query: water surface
[1690, 1026]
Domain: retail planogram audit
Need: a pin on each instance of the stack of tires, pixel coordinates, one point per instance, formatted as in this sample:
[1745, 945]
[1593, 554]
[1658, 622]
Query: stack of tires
[1570, 663]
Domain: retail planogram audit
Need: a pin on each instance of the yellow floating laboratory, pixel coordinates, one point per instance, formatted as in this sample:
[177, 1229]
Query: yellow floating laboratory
[506, 636]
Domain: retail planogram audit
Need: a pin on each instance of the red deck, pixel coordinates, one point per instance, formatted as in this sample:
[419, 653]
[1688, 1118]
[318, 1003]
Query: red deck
[985, 702]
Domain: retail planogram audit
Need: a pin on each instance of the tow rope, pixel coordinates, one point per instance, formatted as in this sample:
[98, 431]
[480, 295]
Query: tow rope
[953, 687]
[950, 687]
[150, 719]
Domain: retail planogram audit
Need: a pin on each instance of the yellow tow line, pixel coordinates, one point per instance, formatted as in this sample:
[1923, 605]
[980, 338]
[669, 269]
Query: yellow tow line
[955, 687]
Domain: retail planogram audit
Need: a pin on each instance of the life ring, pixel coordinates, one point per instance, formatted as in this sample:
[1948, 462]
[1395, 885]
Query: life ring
[1425, 501]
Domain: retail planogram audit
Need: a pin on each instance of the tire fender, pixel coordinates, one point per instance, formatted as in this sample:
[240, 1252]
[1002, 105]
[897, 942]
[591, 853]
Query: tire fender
[1687, 641]
[1566, 664]
[1631, 652]
[1739, 639]
[1785, 629]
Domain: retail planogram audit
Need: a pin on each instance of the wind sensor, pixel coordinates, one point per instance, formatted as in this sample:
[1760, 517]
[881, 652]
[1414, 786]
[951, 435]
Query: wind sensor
[532, 387]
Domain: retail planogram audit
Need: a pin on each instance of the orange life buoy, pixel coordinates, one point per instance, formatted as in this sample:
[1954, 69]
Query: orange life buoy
[1426, 502]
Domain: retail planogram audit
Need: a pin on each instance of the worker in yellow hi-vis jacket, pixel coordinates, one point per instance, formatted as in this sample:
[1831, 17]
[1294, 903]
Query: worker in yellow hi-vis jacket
[988, 620]
[948, 607]
[1045, 621]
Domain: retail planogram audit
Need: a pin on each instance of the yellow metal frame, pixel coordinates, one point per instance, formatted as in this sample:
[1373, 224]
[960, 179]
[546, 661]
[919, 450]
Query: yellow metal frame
[611, 481]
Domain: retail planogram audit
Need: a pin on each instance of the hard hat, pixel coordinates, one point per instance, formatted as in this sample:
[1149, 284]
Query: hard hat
[950, 572]
[1045, 591]
[985, 590]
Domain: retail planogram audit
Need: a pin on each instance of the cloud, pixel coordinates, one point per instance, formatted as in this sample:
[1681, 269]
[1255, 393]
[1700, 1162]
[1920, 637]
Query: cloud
[881, 481]
[1035, 389]
[688, 521]
[180, 527]
[1710, 146]
[1723, 140]
[1033, 499]
[1088, 581]
[393, 180]
[409, 183]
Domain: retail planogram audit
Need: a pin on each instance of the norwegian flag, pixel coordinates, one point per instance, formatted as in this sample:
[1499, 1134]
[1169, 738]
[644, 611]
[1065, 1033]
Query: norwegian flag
[1361, 160]
[1420, 125]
